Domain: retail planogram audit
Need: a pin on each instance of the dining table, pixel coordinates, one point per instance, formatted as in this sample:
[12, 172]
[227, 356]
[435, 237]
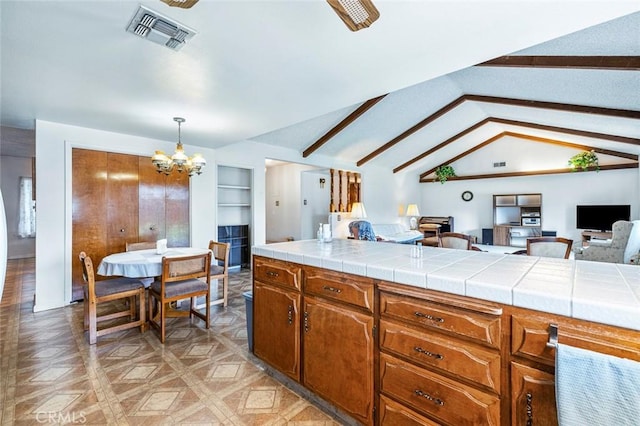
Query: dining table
[142, 263]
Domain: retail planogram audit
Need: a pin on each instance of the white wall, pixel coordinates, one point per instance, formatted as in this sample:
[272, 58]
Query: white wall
[560, 195]
[12, 169]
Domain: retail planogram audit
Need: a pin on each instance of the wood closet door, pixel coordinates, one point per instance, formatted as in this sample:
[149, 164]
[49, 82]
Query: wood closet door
[152, 192]
[89, 221]
[122, 202]
[177, 210]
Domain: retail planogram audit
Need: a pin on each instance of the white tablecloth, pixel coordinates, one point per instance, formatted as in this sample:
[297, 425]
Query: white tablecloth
[141, 263]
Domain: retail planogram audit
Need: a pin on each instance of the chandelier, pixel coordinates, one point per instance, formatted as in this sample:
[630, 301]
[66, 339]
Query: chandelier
[179, 160]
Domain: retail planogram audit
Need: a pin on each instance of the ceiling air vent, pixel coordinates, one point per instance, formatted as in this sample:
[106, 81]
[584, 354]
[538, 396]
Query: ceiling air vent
[157, 28]
[500, 164]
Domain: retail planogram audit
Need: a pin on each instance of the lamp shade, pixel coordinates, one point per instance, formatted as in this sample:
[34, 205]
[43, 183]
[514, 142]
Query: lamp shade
[412, 210]
[358, 211]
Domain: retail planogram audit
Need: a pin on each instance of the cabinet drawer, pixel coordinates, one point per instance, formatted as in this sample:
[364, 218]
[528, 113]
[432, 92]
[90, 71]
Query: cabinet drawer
[345, 288]
[277, 272]
[394, 414]
[474, 363]
[430, 393]
[530, 334]
[481, 327]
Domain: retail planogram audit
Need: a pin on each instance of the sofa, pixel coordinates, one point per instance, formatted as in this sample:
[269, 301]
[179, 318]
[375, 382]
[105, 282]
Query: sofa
[623, 247]
[396, 233]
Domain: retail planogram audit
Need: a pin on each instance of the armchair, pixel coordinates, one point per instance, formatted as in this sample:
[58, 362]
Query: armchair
[625, 242]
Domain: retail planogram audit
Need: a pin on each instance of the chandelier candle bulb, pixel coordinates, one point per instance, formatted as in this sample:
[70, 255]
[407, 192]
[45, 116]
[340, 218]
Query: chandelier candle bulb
[179, 160]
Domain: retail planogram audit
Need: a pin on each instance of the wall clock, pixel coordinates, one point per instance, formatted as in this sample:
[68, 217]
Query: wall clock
[467, 195]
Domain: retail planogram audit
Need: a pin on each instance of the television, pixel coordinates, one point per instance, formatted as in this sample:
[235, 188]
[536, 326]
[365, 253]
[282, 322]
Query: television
[601, 218]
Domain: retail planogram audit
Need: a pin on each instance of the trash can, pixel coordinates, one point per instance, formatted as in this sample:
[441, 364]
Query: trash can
[248, 301]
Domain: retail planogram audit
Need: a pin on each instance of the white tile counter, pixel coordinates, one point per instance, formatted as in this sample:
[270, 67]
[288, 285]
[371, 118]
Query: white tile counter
[606, 293]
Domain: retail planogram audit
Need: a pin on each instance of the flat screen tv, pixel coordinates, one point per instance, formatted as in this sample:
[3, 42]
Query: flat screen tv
[600, 218]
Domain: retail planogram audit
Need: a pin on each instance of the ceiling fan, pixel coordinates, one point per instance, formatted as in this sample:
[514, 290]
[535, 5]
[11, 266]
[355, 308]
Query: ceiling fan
[356, 14]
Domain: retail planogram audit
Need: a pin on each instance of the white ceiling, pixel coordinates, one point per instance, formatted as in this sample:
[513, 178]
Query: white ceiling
[285, 72]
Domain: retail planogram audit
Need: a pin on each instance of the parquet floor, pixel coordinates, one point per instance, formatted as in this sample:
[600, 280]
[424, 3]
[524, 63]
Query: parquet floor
[49, 374]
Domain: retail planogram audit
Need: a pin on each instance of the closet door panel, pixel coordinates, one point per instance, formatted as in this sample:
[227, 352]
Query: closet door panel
[152, 222]
[122, 205]
[89, 231]
[177, 210]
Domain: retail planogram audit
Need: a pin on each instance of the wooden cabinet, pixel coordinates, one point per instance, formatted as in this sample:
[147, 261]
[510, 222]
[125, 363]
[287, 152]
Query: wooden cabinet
[119, 198]
[440, 359]
[390, 354]
[338, 340]
[516, 217]
[338, 356]
[276, 313]
[532, 360]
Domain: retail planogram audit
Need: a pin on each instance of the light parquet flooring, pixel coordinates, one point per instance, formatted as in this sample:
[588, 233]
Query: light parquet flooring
[49, 374]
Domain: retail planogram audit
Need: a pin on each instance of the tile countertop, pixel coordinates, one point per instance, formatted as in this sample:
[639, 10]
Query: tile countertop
[606, 293]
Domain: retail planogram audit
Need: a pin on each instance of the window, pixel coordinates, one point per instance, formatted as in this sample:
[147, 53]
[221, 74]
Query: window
[27, 222]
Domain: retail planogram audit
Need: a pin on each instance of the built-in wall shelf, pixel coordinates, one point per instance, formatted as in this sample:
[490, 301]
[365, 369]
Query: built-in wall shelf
[234, 187]
[234, 195]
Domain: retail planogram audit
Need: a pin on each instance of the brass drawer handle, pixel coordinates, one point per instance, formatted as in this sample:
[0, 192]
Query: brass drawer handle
[529, 409]
[290, 314]
[427, 353]
[272, 274]
[335, 290]
[306, 322]
[425, 395]
[429, 317]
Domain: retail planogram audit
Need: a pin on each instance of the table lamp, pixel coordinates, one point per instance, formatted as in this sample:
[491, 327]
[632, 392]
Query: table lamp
[412, 212]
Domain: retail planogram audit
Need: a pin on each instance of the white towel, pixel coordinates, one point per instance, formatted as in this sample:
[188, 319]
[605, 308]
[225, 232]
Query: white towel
[596, 389]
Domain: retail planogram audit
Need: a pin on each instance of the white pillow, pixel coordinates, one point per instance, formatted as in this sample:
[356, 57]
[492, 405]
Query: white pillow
[633, 245]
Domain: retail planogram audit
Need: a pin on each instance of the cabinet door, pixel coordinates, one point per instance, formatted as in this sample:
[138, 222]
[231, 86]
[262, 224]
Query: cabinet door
[276, 328]
[501, 236]
[338, 357]
[533, 397]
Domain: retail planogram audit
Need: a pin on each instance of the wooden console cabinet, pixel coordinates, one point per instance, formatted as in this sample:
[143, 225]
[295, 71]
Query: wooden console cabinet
[391, 354]
[516, 217]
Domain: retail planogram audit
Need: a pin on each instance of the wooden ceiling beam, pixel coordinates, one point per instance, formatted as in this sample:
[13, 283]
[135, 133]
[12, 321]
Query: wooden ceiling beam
[628, 156]
[342, 125]
[534, 173]
[625, 63]
[615, 138]
[584, 109]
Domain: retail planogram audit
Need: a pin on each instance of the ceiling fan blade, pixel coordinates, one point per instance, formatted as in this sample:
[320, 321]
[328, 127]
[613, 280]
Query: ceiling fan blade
[185, 4]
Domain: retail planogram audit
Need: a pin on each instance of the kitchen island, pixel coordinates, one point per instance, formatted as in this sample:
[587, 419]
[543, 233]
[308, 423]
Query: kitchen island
[451, 337]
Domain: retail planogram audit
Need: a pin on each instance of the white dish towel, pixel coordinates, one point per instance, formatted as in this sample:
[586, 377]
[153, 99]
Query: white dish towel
[596, 389]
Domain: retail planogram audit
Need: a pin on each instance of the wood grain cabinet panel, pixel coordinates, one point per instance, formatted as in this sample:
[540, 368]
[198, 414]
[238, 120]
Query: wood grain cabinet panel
[394, 414]
[533, 397]
[276, 335]
[461, 359]
[277, 272]
[436, 396]
[152, 193]
[338, 357]
[356, 291]
[464, 323]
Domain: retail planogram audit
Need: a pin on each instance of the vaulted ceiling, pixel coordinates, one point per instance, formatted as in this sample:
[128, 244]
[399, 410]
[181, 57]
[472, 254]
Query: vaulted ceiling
[405, 94]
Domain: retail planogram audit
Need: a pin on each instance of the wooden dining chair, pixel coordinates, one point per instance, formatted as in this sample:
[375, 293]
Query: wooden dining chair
[182, 278]
[549, 247]
[107, 292]
[220, 270]
[140, 246]
[455, 240]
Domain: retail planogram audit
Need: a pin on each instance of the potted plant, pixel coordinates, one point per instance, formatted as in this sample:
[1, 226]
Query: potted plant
[584, 161]
[444, 172]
